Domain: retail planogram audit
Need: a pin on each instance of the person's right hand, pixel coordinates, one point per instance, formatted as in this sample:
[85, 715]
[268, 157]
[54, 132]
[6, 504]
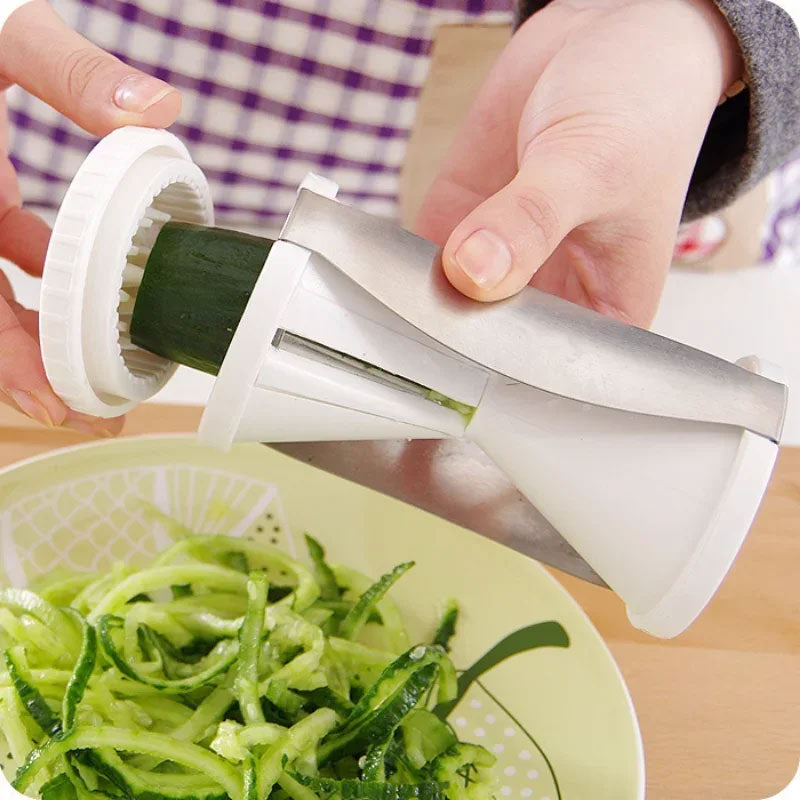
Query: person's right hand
[100, 93]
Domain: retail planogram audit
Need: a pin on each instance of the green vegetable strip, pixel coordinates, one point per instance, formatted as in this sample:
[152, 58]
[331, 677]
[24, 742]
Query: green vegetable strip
[250, 788]
[27, 602]
[19, 741]
[84, 666]
[153, 744]
[374, 768]
[218, 661]
[259, 556]
[30, 696]
[63, 591]
[378, 724]
[395, 636]
[81, 792]
[246, 682]
[295, 789]
[425, 737]
[87, 598]
[446, 629]
[349, 789]
[219, 679]
[329, 589]
[40, 643]
[397, 673]
[151, 579]
[301, 672]
[140, 783]
[353, 623]
[301, 737]
[208, 713]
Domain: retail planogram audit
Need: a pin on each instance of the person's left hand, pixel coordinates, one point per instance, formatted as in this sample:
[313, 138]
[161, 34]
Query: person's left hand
[100, 93]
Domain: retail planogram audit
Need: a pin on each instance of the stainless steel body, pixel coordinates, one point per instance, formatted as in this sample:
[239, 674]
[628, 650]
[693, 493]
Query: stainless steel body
[533, 340]
[452, 479]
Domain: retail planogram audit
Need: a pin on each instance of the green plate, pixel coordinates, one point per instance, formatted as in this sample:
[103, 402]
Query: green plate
[538, 686]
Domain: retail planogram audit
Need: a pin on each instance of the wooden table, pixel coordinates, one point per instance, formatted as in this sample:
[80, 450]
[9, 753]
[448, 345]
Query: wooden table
[718, 706]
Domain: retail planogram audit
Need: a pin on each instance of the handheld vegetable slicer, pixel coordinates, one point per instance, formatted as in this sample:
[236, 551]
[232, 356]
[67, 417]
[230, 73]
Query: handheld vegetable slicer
[649, 458]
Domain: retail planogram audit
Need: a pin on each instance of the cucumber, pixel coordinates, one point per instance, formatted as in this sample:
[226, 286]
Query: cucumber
[195, 758]
[84, 666]
[246, 682]
[30, 697]
[357, 616]
[191, 679]
[196, 284]
[349, 789]
[446, 629]
[466, 771]
[217, 662]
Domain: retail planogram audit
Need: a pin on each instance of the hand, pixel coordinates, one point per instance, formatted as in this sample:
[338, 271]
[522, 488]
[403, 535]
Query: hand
[572, 167]
[100, 93]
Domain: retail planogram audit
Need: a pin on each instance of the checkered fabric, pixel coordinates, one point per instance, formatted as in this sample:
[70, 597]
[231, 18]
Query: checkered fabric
[271, 91]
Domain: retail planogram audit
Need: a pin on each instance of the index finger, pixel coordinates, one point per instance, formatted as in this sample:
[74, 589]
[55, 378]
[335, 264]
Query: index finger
[94, 89]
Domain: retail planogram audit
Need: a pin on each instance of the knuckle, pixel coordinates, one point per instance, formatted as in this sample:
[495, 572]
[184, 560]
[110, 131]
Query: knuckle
[81, 68]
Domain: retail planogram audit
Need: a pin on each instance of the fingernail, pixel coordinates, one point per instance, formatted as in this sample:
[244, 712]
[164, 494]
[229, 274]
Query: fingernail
[31, 406]
[137, 93]
[485, 258]
[89, 429]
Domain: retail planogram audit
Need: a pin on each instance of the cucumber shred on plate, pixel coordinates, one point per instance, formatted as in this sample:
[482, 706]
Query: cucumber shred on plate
[226, 670]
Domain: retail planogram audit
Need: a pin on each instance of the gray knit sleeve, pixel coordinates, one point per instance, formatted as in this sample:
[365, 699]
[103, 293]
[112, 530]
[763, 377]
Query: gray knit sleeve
[754, 132]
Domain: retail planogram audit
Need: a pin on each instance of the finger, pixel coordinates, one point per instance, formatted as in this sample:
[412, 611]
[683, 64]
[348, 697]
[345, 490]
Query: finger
[23, 235]
[497, 248]
[82, 423]
[91, 87]
[22, 375]
[6, 289]
[23, 238]
[483, 156]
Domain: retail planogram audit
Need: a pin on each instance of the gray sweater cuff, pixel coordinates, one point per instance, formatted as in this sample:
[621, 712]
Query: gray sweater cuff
[754, 132]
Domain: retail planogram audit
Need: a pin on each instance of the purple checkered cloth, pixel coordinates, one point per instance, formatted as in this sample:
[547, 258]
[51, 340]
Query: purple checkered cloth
[271, 91]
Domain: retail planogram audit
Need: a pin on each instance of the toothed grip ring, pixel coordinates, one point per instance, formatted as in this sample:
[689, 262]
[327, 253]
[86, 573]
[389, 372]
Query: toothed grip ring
[133, 181]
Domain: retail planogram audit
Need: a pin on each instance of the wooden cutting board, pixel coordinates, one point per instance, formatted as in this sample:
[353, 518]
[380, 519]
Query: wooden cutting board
[718, 706]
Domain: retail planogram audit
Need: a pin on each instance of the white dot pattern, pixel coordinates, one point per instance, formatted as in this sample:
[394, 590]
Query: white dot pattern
[523, 771]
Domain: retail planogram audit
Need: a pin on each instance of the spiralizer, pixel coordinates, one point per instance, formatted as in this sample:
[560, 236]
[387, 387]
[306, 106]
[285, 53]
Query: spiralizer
[650, 458]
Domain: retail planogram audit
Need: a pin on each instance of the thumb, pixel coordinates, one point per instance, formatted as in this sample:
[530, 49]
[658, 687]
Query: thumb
[99, 92]
[495, 251]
